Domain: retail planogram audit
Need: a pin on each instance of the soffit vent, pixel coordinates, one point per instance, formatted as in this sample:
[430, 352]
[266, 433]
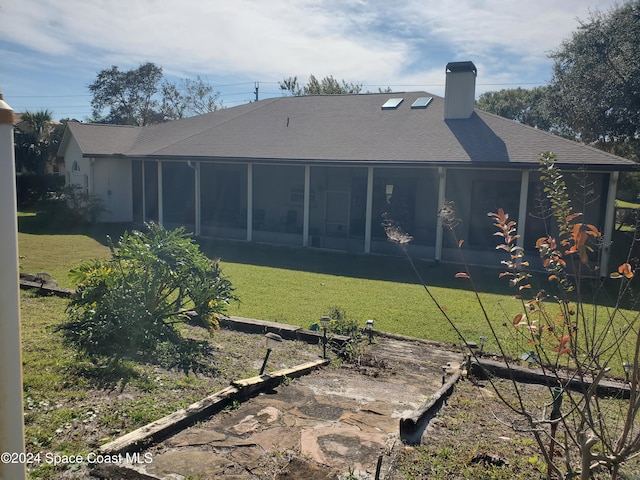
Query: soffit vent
[392, 103]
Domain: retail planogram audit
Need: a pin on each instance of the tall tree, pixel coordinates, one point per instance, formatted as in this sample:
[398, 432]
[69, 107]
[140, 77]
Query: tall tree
[33, 142]
[326, 86]
[142, 96]
[192, 97]
[522, 105]
[127, 95]
[595, 86]
[38, 123]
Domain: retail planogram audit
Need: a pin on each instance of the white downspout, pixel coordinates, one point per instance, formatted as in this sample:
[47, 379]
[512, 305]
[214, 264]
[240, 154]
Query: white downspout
[91, 188]
[11, 409]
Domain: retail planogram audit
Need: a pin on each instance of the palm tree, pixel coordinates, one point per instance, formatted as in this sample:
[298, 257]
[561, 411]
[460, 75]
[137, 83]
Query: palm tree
[32, 141]
[38, 123]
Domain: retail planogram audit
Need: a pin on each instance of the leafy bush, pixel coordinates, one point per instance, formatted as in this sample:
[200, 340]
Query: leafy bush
[342, 325]
[131, 304]
[80, 206]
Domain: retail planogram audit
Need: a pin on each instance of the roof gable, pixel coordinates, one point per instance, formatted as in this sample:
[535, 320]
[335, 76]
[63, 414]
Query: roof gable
[97, 139]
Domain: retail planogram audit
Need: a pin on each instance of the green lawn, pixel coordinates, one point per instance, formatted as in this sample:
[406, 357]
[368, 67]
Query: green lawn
[297, 286]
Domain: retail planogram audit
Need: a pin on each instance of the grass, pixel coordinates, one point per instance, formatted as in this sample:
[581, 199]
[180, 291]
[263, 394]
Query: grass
[297, 286]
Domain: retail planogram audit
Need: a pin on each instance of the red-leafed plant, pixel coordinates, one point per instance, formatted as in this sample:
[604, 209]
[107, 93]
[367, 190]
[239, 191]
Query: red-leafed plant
[572, 341]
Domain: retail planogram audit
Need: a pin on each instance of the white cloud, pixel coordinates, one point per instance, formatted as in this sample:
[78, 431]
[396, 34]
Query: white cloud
[364, 41]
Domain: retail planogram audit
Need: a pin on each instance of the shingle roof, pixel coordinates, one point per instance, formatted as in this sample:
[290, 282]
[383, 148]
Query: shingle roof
[98, 139]
[342, 128]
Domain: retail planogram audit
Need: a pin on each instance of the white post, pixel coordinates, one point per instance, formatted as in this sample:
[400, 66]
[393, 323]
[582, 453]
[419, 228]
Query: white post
[368, 212]
[608, 224]
[522, 210]
[160, 195]
[249, 202]
[11, 411]
[306, 206]
[197, 213]
[442, 186]
[144, 195]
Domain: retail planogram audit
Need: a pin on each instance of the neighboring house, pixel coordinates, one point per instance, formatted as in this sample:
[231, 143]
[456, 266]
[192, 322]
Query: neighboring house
[319, 171]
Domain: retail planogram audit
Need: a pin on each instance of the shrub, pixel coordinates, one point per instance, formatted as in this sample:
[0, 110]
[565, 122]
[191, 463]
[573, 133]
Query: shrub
[79, 206]
[131, 304]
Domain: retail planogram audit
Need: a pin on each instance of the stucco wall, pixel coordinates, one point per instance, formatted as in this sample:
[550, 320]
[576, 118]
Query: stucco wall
[77, 168]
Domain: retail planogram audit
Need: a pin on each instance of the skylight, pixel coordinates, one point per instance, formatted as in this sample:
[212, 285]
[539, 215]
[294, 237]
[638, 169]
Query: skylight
[421, 102]
[392, 103]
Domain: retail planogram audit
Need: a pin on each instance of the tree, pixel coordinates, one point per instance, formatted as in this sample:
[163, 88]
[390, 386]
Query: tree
[127, 95]
[32, 142]
[524, 106]
[130, 304]
[595, 88]
[198, 98]
[140, 97]
[326, 86]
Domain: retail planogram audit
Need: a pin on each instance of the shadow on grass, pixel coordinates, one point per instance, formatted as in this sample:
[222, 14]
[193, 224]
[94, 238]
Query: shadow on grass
[46, 220]
[398, 269]
[109, 376]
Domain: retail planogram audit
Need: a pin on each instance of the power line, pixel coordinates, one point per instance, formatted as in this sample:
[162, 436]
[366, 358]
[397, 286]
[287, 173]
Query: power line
[48, 96]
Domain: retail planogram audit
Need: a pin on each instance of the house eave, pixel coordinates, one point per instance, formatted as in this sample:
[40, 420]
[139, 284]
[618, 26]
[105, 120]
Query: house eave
[457, 164]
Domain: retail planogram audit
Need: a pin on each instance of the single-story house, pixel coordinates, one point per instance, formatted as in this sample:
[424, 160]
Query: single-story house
[320, 171]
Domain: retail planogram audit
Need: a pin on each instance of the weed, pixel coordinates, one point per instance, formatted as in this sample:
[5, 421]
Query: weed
[234, 405]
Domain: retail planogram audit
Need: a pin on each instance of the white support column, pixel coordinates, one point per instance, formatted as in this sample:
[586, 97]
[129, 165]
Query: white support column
[522, 209]
[307, 203]
[249, 202]
[144, 195]
[442, 186]
[609, 219]
[196, 193]
[368, 211]
[11, 409]
[160, 209]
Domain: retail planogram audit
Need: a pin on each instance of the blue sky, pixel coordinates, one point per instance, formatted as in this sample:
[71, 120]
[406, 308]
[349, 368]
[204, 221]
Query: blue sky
[51, 50]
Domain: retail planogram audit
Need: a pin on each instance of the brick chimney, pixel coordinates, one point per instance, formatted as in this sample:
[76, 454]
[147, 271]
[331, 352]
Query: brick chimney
[459, 90]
